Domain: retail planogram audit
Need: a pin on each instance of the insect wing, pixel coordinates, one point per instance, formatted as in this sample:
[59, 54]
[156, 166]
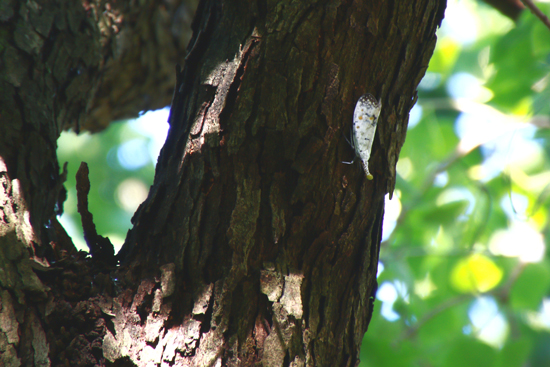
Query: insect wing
[365, 119]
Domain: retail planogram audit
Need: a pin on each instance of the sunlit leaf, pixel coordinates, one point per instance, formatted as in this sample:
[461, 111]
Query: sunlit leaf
[476, 273]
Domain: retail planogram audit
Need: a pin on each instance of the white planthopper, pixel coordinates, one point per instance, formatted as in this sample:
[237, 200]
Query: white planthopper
[365, 120]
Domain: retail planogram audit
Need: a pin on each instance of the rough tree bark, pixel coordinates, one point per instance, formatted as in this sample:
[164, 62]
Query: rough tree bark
[58, 61]
[255, 245]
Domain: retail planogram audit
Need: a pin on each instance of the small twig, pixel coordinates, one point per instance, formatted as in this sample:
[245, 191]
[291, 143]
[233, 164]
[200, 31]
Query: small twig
[502, 294]
[451, 302]
[100, 247]
[539, 14]
[82, 191]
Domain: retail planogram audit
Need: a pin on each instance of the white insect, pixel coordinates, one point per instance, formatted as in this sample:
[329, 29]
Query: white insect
[365, 119]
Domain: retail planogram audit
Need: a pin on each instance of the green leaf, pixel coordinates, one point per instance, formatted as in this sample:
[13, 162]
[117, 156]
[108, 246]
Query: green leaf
[531, 286]
[540, 356]
[469, 352]
[514, 353]
[446, 213]
[476, 273]
[518, 70]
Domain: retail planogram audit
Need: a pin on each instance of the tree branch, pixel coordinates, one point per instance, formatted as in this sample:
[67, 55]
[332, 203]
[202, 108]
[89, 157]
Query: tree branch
[510, 8]
[538, 13]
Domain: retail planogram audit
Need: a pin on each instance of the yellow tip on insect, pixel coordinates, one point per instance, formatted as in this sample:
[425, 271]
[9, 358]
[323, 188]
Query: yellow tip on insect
[369, 176]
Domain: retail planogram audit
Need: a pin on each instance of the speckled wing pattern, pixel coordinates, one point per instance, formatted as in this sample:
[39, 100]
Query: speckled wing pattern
[365, 119]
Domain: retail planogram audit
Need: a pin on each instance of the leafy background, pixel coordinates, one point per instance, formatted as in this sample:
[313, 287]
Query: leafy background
[121, 162]
[464, 277]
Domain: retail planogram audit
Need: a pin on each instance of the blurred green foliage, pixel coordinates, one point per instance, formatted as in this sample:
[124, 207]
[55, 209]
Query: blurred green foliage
[117, 186]
[464, 278]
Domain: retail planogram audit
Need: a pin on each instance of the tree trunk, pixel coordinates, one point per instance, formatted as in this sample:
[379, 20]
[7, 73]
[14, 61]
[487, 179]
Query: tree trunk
[256, 244]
